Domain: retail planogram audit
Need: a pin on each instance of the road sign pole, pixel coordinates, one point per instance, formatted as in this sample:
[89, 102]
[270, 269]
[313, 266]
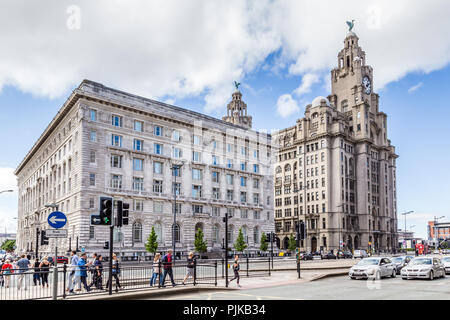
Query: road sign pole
[55, 272]
[111, 242]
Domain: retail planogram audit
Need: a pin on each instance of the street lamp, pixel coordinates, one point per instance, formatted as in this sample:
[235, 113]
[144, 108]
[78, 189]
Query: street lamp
[175, 174]
[6, 191]
[339, 223]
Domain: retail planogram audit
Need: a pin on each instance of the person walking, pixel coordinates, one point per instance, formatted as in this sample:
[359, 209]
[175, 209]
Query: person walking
[82, 271]
[115, 272]
[156, 269]
[23, 264]
[2, 280]
[236, 269]
[92, 269]
[37, 272]
[45, 269]
[73, 280]
[7, 270]
[167, 265]
[98, 270]
[190, 267]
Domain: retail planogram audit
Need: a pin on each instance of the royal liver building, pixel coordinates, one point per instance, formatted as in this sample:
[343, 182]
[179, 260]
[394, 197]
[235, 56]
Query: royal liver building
[104, 142]
[336, 167]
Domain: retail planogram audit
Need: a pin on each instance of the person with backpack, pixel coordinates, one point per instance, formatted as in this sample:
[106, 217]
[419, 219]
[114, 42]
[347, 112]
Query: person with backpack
[37, 272]
[190, 267]
[156, 269]
[115, 272]
[167, 266]
[7, 270]
[98, 270]
[236, 269]
[23, 264]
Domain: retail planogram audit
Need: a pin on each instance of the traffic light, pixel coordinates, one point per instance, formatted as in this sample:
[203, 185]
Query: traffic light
[106, 245]
[44, 238]
[123, 211]
[302, 230]
[106, 208]
[268, 237]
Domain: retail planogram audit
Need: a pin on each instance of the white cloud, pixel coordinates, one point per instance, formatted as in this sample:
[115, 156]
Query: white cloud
[197, 48]
[415, 88]
[287, 106]
[308, 80]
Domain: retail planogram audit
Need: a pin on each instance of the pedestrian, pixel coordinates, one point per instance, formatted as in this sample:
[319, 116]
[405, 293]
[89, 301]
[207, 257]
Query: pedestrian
[115, 272]
[82, 271]
[2, 280]
[73, 280]
[167, 265]
[23, 264]
[37, 272]
[92, 269]
[156, 269]
[45, 269]
[97, 280]
[189, 267]
[236, 268]
[7, 270]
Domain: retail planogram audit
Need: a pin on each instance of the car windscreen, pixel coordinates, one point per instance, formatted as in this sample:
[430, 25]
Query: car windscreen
[368, 262]
[446, 259]
[421, 261]
[397, 260]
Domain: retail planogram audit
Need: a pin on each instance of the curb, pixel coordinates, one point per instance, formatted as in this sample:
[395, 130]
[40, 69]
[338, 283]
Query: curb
[304, 269]
[329, 275]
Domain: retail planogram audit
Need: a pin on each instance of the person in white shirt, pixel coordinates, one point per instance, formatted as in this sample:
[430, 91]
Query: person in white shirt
[72, 278]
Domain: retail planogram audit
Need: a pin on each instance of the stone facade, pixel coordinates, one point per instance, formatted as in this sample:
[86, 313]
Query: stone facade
[336, 168]
[104, 142]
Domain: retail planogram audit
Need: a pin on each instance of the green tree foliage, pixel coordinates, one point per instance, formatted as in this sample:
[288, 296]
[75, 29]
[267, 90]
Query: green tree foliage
[152, 242]
[199, 242]
[264, 245]
[8, 245]
[240, 244]
[292, 244]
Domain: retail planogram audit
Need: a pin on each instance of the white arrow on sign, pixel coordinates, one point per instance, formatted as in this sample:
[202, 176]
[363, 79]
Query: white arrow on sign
[54, 220]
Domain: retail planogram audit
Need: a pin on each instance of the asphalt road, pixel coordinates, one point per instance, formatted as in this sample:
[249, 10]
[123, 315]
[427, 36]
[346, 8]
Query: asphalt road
[338, 288]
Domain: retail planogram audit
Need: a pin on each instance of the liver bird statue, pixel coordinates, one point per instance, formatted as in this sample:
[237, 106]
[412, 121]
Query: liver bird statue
[237, 84]
[350, 25]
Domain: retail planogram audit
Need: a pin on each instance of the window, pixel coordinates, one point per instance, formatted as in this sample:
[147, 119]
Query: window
[176, 135]
[137, 232]
[91, 203]
[157, 186]
[256, 168]
[256, 235]
[91, 232]
[138, 205]
[157, 167]
[177, 153]
[176, 188]
[157, 148]
[196, 174]
[243, 166]
[158, 206]
[255, 183]
[215, 211]
[93, 136]
[197, 208]
[158, 231]
[229, 163]
[138, 145]
[244, 214]
[216, 193]
[229, 179]
[138, 126]
[157, 131]
[215, 176]
[138, 184]
[116, 161]
[196, 156]
[215, 160]
[256, 198]
[243, 181]
[229, 147]
[91, 158]
[196, 191]
[137, 164]
[116, 181]
[177, 208]
[230, 195]
[93, 115]
[196, 140]
[116, 121]
[92, 179]
[116, 140]
[215, 235]
[243, 197]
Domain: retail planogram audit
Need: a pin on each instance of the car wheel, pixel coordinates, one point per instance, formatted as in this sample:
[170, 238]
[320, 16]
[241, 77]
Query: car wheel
[394, 273]
[431, 275]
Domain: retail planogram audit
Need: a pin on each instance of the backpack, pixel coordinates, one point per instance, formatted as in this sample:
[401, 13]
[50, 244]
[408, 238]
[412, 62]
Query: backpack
[7, 270]
[165, 259]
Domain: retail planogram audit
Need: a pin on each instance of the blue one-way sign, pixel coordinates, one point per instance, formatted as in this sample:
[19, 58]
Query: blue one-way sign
[57, 219]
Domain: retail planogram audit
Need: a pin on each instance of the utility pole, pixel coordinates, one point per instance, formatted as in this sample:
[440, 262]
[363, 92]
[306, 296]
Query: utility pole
[225, 219]
[175, 172]
[37, 243]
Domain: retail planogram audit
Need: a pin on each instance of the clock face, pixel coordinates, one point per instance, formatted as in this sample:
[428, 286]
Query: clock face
[367, 85]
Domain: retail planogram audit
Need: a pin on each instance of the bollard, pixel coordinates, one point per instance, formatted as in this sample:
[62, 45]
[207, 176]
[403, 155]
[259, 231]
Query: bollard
[247, 266]
[55, 282]
[64, 280]
[215, 273]
[269, 267]
[195, 271]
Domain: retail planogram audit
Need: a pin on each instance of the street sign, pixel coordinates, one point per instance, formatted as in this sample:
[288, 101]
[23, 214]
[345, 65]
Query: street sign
[96, 220]
[56, 233]
[83, 249]
[57, 219]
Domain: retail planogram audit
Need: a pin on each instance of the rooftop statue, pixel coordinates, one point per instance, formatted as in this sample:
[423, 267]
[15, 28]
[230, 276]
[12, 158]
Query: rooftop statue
[350, 25]
[237, 84]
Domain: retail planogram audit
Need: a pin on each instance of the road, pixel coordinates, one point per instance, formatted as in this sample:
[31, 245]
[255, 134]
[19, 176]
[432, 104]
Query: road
[337, 288]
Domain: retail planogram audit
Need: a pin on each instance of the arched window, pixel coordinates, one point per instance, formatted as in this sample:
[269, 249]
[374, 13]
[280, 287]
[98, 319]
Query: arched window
[215, 235]
[230, 234]
[158, 231]
[177, 232]
[244, 232]
[137, 232]
[278, 169]
[287, 167]
[256, 235]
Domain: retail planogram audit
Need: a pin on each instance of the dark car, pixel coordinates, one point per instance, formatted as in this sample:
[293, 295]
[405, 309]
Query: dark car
[347, 255]
[62, 259]
[400, 262]
[329, 255]
[306, 256]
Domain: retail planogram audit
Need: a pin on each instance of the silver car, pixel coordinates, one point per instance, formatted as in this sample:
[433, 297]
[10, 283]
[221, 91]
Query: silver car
[373, 268]
[401, 262]
[446, 262]
[423, 268]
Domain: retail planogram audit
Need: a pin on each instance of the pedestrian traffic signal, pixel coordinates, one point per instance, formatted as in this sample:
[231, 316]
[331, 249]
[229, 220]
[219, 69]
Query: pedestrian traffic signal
[302, 230]
[106, 208]
[268, 237]
[44, 238]
[123, 211]
[106, 245]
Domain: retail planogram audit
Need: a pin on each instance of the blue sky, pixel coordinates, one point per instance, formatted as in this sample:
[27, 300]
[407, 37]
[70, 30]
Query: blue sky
[271, 47]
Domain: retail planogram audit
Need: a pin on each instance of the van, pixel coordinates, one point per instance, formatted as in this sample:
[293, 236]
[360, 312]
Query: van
[360, 254]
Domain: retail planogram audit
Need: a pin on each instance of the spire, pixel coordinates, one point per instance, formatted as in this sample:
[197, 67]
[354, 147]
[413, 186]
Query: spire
[237, 110]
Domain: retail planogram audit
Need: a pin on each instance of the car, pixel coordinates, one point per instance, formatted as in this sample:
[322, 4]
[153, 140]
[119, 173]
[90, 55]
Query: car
[62, 259]
[400, 262]
[373, 268]
[360, 254]
[423, 268]
[347, 255]
[316, 255]
[446, 262]
[329, 255]
[306, 256]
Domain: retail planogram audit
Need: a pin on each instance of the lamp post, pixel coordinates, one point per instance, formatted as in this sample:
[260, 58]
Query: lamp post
[175, 172]
[55, 267]
[339, 223]
[436, 239]
[405, 214]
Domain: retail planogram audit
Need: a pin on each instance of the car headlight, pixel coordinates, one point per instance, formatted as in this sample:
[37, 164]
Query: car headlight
[371, 271]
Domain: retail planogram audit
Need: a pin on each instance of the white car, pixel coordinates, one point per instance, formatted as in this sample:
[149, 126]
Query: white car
[360, 254]
[373, 268]
[423, 268]
[446, 262]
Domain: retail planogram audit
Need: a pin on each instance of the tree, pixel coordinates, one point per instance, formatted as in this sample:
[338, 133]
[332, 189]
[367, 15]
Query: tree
[240, 244]
[199, 242]
[8, 245]
[152, 242]
[292, 244]
[264, 245]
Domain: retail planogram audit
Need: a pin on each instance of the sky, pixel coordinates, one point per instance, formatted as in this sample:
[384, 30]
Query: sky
[188, 53]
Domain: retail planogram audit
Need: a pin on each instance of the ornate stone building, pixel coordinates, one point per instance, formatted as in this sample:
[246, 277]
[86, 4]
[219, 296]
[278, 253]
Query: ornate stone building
[336, 167]
[104, 142]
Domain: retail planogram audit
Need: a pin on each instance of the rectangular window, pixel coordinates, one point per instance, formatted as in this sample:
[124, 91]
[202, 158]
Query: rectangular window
[157, 131]
[243, 166]
[93, 115]
[157, 148]
[177, 207]
[229, 147]
[92, 157]
[157, 186]
[157, 167]
[230, 195]
[138, 126]
[196, 140]
[256, 198]
[116, 161]
[196, 208]
[243, 197]
[216, 193]
[138, 205]
[177, 153]
[196, 174]
[92, 179]
[137, 164]
[215, 211]
[256, 168]
[230, 163]
[215, 176]
[215, 160]
[138, 184]
[91, 232]
[243, 181]
[196, 191]
[116, 140]
[196, 156]
[176, 135]
[91, 203]
[138, 145]
[244, 214]
[117, 120]
[116, 181]
[158, 207]
[255, 183]
[93, 136]
[176, 188]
